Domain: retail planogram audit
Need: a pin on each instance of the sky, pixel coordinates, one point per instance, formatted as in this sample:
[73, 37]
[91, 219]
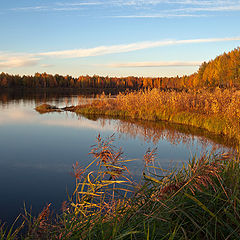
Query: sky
[151, 38]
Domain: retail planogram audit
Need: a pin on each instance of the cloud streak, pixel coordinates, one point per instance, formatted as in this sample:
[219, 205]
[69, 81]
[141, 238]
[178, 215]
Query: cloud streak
[123, 48]
[137, 9]
[81, 4]
[18, 61]
[32, 8]
[11, 60]
[151, 6]
[168, 15]
[47, 65]
[210, 9]
[193, 10]
[154, 64]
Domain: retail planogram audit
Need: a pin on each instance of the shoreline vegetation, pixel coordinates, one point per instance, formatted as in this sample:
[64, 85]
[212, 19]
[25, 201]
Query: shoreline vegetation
[216, 111]
[201, 200]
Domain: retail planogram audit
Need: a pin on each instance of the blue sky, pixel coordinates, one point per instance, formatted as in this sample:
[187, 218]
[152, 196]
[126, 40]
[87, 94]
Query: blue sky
[115, 37]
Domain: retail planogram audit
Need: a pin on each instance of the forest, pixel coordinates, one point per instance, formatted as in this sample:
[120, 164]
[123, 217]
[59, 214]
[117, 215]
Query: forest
[223, 72]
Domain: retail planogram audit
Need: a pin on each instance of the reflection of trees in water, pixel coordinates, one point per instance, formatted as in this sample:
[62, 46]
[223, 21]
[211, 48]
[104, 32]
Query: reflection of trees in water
[52, 96]
[152, 133]
[173, 133]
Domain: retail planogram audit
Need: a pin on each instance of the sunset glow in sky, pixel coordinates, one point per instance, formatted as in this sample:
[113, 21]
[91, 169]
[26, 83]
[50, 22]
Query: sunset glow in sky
[115, 37]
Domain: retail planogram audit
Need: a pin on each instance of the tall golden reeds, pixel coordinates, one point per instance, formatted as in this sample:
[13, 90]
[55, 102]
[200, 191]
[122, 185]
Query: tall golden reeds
[217, 111]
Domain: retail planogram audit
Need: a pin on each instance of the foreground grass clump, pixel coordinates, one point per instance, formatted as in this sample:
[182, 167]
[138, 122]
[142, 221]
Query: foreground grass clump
[216, 111]
[12, 233]
[201, 200]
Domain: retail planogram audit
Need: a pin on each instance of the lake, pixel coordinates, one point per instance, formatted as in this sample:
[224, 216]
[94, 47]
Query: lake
[37, 151]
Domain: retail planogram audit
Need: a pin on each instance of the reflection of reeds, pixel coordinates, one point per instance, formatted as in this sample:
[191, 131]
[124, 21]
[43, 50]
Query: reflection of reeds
[217, 111]
[173, 133]
[198, 201]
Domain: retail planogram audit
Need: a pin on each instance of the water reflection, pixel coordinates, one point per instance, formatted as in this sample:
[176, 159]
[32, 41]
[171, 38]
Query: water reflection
[57, 97]
[173, 133]
[37, 151]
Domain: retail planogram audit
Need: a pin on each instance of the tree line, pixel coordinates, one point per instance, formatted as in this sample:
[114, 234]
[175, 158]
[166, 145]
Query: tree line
[223, 71]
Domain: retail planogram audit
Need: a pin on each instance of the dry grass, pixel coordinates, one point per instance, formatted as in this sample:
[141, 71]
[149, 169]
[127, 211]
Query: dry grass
[217, 111]
[218, 102]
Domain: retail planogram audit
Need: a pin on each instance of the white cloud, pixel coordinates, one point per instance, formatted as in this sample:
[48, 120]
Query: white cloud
[14, 60]
[17, 61]
[178, 10]
[32, 8]
[67, 9]
[166, 15]
[209, 9]
[128, 3]
[194, 9]
[192, 2]
[152, 8]
[153, 64]
[103, 50]
[157, 2]
[80, 4]
[47, 65]
[58, 6]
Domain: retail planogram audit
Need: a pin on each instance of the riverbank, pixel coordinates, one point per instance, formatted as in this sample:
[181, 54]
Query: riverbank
[215, 111]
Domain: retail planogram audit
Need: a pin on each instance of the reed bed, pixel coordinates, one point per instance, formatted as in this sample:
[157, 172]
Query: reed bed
[201, 200]
[217, 111]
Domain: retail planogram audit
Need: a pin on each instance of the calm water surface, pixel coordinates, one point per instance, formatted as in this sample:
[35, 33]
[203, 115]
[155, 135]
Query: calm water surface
[37, 151]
